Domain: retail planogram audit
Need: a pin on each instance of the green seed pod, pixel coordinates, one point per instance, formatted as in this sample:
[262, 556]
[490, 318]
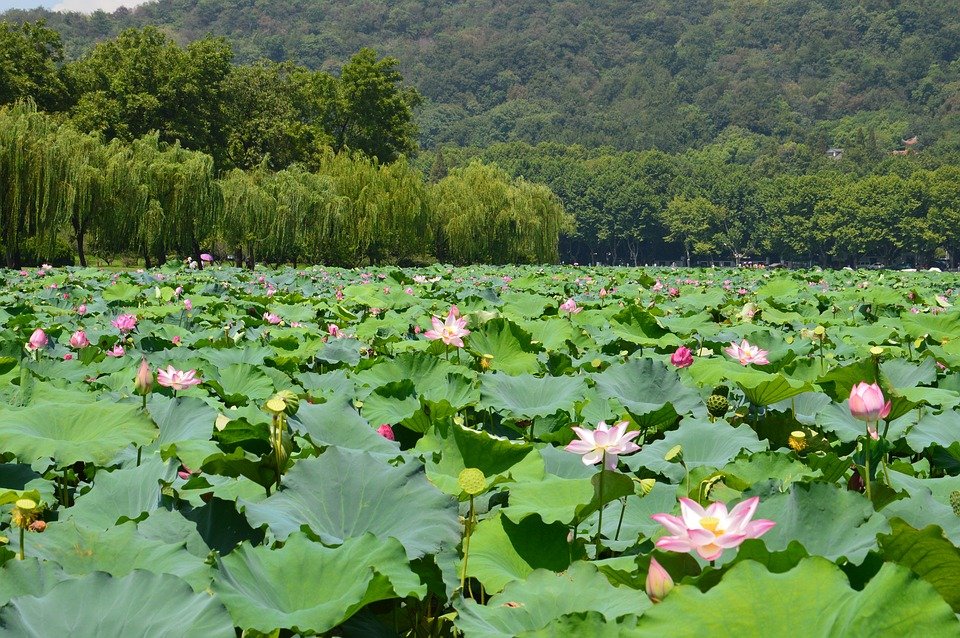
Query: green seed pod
[717, 405]
[955, 501]
[472, 481]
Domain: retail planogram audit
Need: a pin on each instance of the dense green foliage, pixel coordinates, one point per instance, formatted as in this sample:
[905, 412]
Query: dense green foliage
[668, 74]
[745, 196]
[291, 452]
[153, 199]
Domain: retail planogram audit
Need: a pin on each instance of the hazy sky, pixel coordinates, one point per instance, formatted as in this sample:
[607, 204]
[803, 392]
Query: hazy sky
[86, 6]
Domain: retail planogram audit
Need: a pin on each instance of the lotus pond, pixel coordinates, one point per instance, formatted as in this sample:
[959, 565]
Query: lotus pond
[421, 453]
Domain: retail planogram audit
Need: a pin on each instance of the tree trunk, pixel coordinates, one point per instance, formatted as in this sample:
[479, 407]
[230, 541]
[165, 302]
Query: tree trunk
[80, 254]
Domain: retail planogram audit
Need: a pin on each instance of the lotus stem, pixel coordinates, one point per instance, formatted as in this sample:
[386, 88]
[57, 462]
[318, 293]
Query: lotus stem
[603, 464]
[866, 478]
[466, 546]
[21, 543]
[623, 510]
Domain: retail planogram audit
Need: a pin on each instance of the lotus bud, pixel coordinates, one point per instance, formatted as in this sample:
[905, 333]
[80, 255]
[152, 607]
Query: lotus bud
[386, 432]
[37, 340]
[143, 384]
[659, 582]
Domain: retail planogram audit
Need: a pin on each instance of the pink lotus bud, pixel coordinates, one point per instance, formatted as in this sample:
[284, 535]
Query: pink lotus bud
[79, 340]
[82, 309]
[603, 293]
[125, 323]
[570, 307]
[68, 356]
[187, 305]
[386, 432]
[178, 291]
[682, 358]
[144, 380]
[673, 292]
[37, 340]
[866, 403]
[176, 340]
[659, 582]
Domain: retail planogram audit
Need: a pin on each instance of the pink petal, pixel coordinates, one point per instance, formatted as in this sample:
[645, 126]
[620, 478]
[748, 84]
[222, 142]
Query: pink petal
[579, 447]
[592, 458]
[674, 524]
[691, 512]
[585, 435]
[743, 512]
[756, 529]
[706, 554]
[717, 510]
[886, 410]
[674, 544]
[727, 541]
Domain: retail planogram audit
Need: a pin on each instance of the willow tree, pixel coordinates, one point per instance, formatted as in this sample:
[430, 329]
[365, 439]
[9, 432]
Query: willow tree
[248, 214]
[484, 216]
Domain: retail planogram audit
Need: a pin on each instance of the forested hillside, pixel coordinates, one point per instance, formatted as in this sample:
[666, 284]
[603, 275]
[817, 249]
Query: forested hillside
[667, 74]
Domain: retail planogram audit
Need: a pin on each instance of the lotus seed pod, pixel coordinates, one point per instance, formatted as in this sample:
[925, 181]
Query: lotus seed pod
[798, 441]
[25, 512]
[275, 404]
[674, 452]
[291, 400]
[472, 481]
[955, 501]
[717, 405]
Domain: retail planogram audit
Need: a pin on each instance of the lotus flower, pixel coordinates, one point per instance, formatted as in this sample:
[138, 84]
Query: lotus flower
[125, 323]
[452, 331]
[658, 583]
[604, 443]
[746, 353]
[143, 383]
[570, 307]
[82, 309]
[116, 351]
[682, 358]
[866, 404]
[177, 379]
[386, 432]
[79, 340]
[334, 331]
[37, 340]
[271, 318]
[712, 530]
[187, 305]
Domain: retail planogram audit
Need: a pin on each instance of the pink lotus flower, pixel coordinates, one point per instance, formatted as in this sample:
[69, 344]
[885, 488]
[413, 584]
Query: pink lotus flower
[79, 340]
[452, 331]
[116, 351]
[603, 444]
[682, 358]
[334, 330]
[176, 340]
[187, 305]
[125, 323]
[658, 583]
[570, 307]
[68, 356]
[747, 354]
[712, 530]
[37, 340]
[177, 379]
[386, 432]
[178, 291]
[271, 318]
[82, 309]
[866, 404]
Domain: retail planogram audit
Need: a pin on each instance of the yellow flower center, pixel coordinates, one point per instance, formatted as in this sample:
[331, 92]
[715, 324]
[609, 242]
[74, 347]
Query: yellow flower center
[710, 523]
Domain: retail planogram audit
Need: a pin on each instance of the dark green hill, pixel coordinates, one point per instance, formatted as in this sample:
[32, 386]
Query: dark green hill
[631, 74]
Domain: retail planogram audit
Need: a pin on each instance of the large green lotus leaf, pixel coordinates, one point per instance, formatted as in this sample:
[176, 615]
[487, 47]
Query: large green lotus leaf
[644, 387]
[559, 462]
[502, 551]
[337, 423]
[747, 471]
[940, 488]
[224, 357]
[391, 403]
[524, 305]
[343, 494]
[635, 325]
[554, 333]
[448, 453]
[120, 291]
[766, 389]
[456, 391]
[534, 603]
[935, 429]
[117, 551]
[68, 433]
[813, 599]
[704, 444]
[242, 382]
[900, 373]
[308, 588]
[333, 383]
[526, 396]
[711, 371]
[422, 369]
[509, 345]
[340, 351]
[636, 522]
[97, 605]
[126, 493]
[928, 554]
[939, 397]
[804, 407]
[827, 520]
[940, 327]
[555, 499]
[28, 577]
[921, 509]
[590, 624]
[181, 419]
